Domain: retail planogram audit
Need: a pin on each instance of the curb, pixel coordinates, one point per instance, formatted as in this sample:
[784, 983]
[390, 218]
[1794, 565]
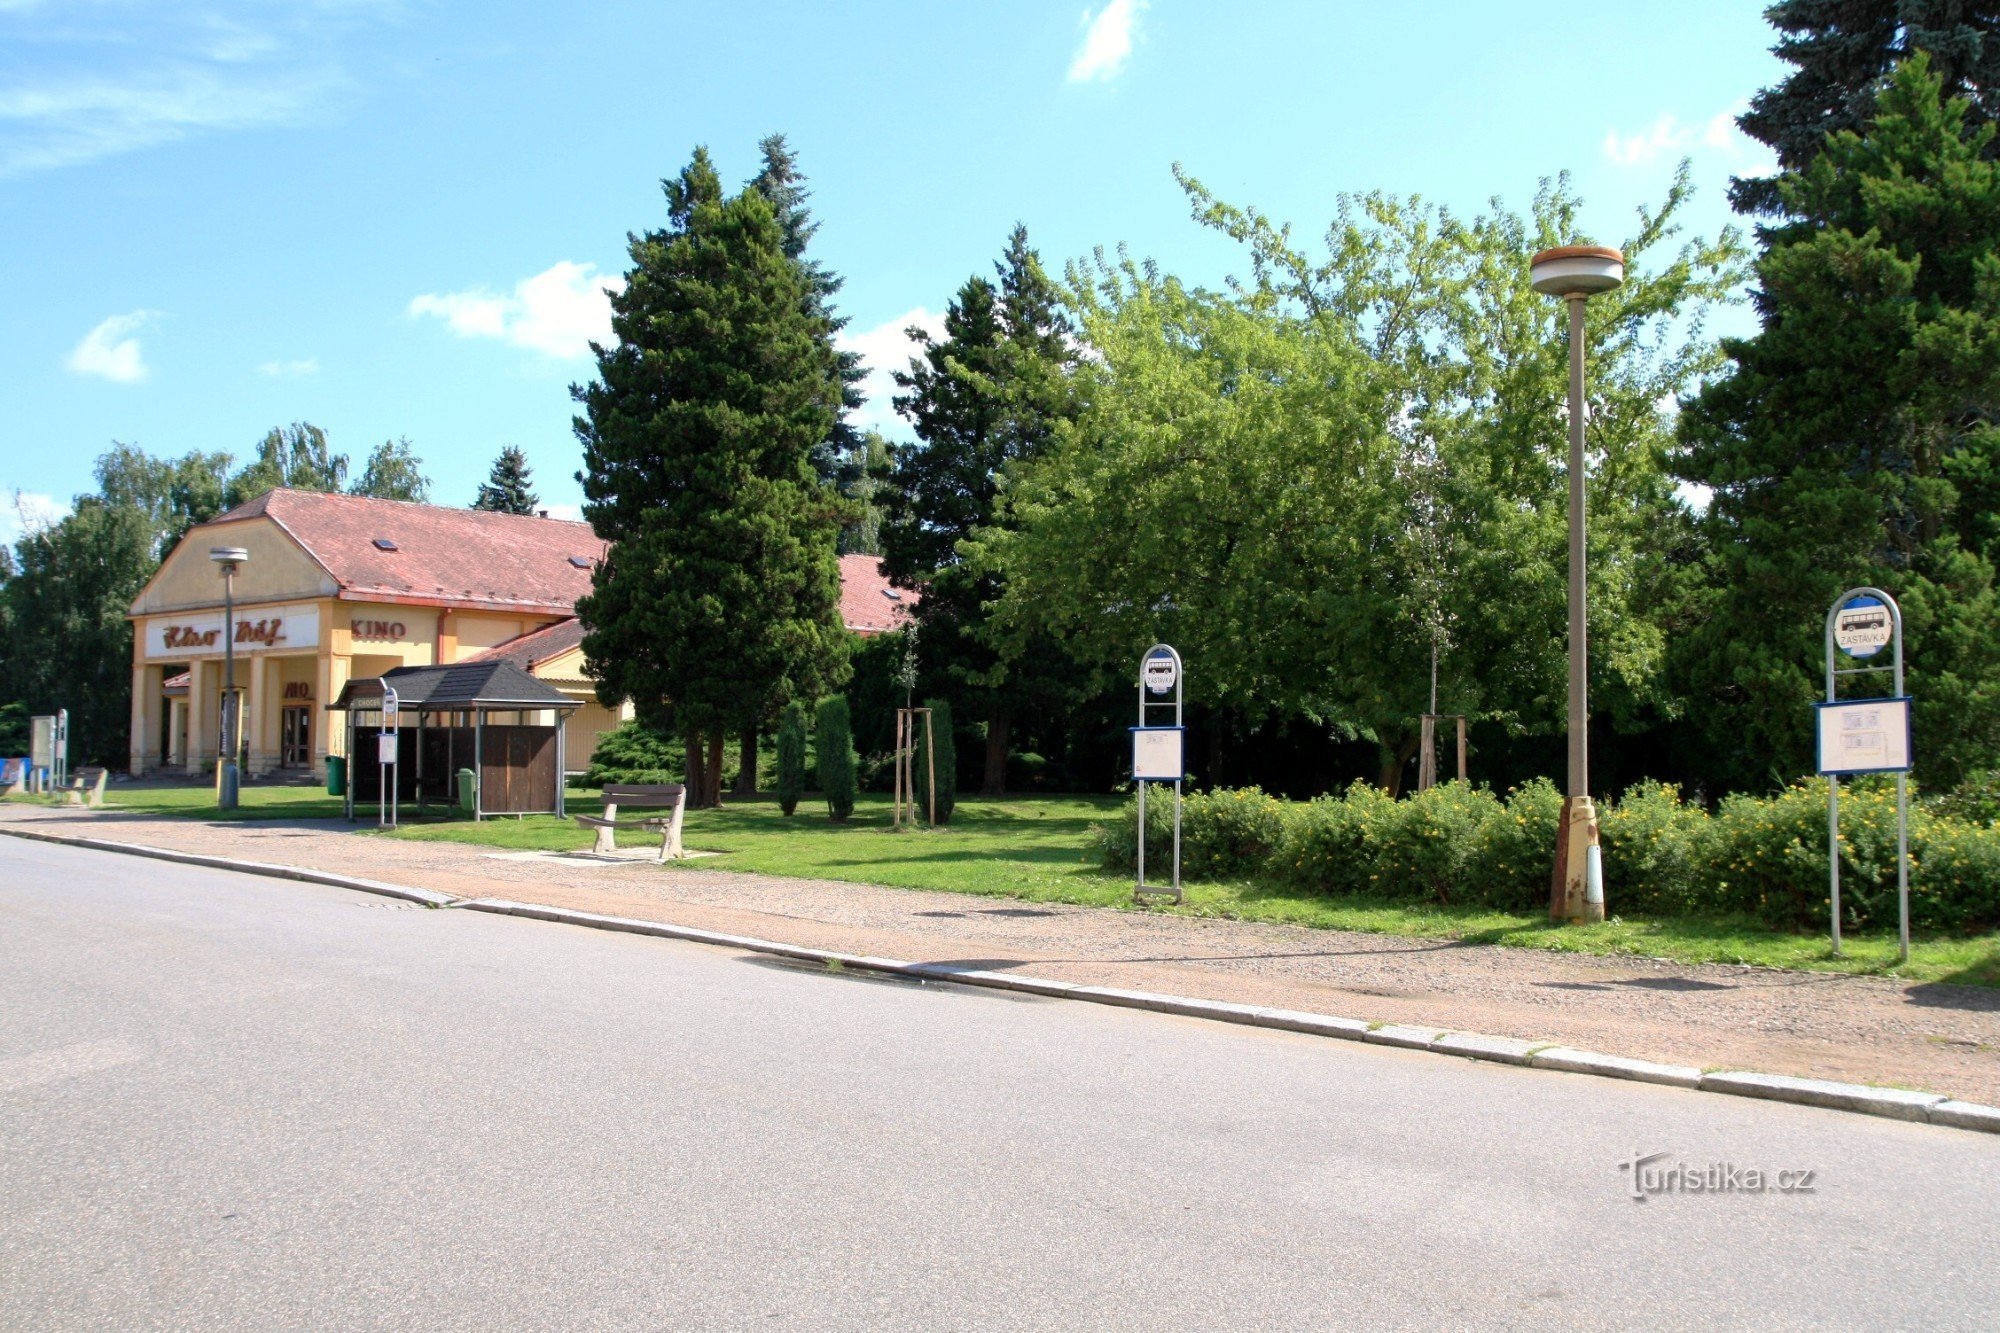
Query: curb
[1892, 1103]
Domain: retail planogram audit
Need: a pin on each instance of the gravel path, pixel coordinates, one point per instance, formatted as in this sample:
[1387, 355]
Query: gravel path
[1939, 1037]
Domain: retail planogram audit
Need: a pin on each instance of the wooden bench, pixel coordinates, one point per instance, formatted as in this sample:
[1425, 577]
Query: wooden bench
[86, 788]
[671, 795]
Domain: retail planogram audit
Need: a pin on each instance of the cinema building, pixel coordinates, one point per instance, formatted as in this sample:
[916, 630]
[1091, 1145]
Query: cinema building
[342, 587]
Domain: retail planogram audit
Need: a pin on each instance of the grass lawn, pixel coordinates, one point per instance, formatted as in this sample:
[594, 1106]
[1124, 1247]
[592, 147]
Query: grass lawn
[1038, 850]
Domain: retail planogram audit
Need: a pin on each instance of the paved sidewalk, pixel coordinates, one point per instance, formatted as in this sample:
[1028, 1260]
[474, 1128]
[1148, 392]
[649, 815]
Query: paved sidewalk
[1853, 1029]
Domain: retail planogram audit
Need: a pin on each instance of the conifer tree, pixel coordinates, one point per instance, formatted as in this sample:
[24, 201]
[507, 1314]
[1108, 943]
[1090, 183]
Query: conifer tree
[509, 485]
[1843, 52]
[985, 398]
[719, 593]
[1855, 441]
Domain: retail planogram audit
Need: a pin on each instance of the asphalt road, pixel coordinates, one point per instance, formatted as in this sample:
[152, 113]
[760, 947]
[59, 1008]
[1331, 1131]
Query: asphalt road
[233, 1102]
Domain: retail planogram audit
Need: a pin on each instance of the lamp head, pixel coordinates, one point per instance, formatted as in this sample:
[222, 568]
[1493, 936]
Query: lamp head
[229, 557]
[1576, 270]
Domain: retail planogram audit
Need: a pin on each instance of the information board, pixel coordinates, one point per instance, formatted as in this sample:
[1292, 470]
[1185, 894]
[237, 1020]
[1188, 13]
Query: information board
[1158, 754]
[1864, 736]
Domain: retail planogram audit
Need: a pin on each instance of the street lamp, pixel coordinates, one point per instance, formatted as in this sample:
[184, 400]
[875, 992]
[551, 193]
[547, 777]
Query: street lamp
[1576, 273]
[227, 779]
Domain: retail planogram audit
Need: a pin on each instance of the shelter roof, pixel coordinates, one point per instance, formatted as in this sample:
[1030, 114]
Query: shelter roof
[464, 685]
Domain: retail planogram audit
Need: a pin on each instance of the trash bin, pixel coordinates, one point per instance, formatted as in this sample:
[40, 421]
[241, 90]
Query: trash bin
[336, 775]
[468, 790]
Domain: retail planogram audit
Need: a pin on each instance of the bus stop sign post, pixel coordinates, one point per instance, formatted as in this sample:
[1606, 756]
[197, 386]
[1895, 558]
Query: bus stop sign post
[1866, 735]
[1159, 754]
[385, 753]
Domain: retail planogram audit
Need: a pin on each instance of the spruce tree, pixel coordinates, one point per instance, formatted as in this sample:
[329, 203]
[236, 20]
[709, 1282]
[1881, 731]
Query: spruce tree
[1854, 441]
[720, 591]
[783, 185]
[1843, 52]
[509, 485]
[985, 398]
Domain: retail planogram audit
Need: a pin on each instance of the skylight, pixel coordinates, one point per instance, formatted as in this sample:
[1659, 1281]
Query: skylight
[384, 544]
[892, 594]
[581, 562]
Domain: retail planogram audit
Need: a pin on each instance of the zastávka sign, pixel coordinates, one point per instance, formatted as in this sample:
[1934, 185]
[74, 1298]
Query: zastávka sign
[1861, 627]
[1160, 671]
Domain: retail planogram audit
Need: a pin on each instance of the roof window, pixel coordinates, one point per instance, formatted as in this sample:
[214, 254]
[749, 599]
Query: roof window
[581, 562]
[384, 544]
[892, 594]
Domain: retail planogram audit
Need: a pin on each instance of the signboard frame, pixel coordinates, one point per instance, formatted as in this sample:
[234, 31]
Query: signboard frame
[1854, 599]
[1899, 727]
[1154, 759]
[1178, 683]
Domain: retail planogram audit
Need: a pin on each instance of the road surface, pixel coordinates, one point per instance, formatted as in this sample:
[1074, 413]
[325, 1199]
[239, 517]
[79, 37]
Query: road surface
[234, 1102]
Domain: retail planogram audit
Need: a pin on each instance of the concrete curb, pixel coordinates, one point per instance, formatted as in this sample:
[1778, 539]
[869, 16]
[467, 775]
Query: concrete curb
[427, 897]
[1894, 1103]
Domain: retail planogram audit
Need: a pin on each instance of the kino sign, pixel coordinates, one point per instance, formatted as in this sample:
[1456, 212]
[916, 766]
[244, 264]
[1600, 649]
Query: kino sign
[1159, 754]
[1858, 736]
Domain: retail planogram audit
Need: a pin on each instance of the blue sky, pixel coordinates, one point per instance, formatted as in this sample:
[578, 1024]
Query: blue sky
[390, 219]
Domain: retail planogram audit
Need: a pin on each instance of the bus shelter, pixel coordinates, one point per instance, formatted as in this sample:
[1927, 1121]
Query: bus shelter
[490, 718]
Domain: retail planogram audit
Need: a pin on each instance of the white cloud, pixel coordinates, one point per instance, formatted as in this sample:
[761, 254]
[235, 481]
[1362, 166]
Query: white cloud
[558, 312]
[111, 352]
[884, 349]
[1107, 41]
[27, 512]
[1667, 137]
[572, 512]
[279, 370]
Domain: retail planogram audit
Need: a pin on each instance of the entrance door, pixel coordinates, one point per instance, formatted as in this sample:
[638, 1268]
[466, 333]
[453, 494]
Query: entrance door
[295, 737]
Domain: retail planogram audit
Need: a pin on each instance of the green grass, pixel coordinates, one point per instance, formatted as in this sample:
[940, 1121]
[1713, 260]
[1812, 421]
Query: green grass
[1039, 851]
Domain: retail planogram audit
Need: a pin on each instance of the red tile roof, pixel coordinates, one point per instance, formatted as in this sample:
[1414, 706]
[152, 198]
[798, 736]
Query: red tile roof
[868, 605]
[456, 556]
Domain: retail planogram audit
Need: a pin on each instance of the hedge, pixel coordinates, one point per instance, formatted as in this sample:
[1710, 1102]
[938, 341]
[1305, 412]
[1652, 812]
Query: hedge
[1763, 858]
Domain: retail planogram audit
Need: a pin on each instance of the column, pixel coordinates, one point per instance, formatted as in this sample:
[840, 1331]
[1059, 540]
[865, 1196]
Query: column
[146, 701]
[204, 684]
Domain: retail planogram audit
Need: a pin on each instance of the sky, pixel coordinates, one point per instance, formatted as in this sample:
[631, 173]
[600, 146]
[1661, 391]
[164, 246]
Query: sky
[395, 218]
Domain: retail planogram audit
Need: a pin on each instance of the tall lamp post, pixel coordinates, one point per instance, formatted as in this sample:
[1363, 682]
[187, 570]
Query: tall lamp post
[1576, 273]
[227, 780]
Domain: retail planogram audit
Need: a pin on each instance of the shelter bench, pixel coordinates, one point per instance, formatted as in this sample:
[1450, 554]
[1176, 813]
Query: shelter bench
[86, 788]
[671, 795]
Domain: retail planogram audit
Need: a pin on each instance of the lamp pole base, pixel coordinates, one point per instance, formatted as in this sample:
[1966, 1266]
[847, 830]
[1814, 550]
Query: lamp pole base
[227, 786]
[1577, 891]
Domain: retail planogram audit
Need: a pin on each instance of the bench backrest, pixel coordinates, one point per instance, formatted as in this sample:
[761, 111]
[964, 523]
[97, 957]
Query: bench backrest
[643, 793]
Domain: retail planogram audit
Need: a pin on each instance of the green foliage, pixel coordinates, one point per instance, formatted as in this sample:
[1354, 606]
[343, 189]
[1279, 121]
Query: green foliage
[634, 752]
[1853, 442]
[64, 639]
[1319, 472]
[833, 748]
[509, 485]
[791, 756]
[943, 759]
[394, 472]
[14, 730]
[720, 590]
[1843, 52]
[1762, 860]
[984, 400]
[295, 456]
[1975, 800]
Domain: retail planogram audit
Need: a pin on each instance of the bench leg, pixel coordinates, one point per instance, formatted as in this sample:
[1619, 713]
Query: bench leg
[607, 838]
[670, 845]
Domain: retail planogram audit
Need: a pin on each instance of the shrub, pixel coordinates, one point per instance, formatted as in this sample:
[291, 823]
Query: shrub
[1975, 800]
[791, 756]
[632, 753]
[1226, 834]
[1117, 843]
[1655, 851]
[1514, 852]
[944, 756]
[1325, 843]
[833, 746]
[1425, 843]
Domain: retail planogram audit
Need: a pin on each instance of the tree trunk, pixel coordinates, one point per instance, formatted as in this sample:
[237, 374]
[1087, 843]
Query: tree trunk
[1394, 761]
[994, 781]
[746, 769]
[697, 789]
[716, 740]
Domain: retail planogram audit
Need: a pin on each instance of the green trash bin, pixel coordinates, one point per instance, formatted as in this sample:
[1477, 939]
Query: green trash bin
[336, 775]
[468, 790]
